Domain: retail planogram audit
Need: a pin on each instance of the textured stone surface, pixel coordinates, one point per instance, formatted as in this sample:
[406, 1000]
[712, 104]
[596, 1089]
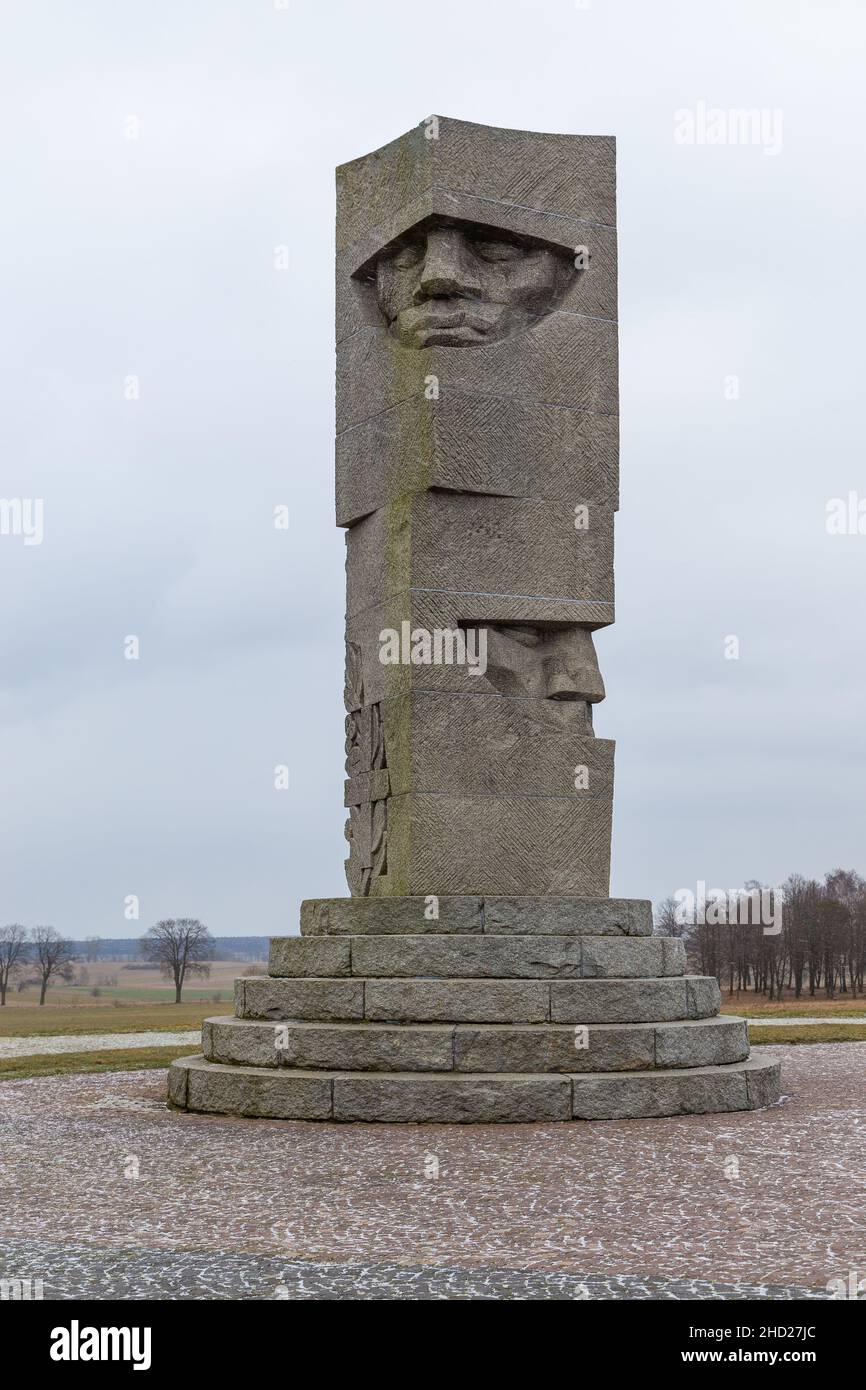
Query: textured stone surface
[455, 542]
[635, 1208]
[467, 957]
[472, 442]
[469, 745]
[253, 1091]
[381, 916]
[535, 1047]
[566, 916]
[261, 997]
[650, 1094]
[469, 915]
[520, 845]
[569, 175]
[633, 1001]
[75, 1271]
[453, 1098]
[446, 1001]
[514, 957]
[304, 956]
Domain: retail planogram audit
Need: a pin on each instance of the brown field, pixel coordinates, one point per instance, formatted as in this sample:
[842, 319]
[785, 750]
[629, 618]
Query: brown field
[811, 1033]
[749, 1005]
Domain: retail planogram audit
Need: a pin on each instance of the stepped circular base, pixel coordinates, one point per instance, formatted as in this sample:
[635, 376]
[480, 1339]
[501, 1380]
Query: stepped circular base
[457, 1098]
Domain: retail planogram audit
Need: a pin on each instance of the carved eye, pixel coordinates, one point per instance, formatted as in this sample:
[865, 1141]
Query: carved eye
[497, 250]
[526, 636]
[406, 257]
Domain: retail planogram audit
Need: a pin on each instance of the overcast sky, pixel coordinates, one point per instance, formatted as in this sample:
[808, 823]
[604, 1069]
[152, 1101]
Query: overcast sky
[153, 258]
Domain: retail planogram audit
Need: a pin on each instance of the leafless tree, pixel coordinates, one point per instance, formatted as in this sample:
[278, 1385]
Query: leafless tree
[91, 948]
[667, 918]
[12, 942]
[179, 946]
[53, 954]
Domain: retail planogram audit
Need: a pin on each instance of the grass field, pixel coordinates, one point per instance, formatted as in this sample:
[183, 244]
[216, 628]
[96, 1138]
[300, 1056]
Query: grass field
[749, 1005]
[129, 1018]
[131, 1059]
[811, 1033]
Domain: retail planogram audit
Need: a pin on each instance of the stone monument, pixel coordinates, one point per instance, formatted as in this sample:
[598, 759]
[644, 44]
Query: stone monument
[479, 971]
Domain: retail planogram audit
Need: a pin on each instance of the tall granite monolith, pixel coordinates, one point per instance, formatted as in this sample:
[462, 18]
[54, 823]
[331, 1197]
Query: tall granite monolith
[479, 971]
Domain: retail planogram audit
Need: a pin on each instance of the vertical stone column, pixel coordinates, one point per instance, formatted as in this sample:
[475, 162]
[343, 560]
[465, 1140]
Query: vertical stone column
[477, 481]
[479, 971]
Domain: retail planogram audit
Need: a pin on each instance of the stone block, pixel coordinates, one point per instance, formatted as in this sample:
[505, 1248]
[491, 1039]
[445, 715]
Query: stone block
[386, 916]
[259, 996]
[632, 1000]
[469, 442]
[496, 545]
[633, 957]
[567, 916]
[467, 957]
[540, 1048]
[256, 1091]
[329, 1046]
[702, 1043]
[656, 1093]
[457, 1001]
[301, 957]
[451, 1099]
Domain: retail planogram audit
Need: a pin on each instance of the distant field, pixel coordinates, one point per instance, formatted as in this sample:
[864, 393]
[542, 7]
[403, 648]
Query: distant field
[125, 1018]
[749, 1005]
[112, 986]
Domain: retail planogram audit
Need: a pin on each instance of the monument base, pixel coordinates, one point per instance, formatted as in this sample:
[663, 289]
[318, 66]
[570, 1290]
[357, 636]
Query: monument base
[474, 1010]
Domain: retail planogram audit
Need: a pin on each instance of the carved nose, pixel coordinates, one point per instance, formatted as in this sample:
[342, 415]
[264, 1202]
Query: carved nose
[572, 679]
[444, 272]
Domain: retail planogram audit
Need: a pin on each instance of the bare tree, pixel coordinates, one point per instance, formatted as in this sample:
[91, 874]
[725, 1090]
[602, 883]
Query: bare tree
[668, 919]
[12, 941]
[179, 946]
[53, 955]
[91, 948]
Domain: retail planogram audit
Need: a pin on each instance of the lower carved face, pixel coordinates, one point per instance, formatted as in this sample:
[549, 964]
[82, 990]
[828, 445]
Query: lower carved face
[546, 663]
[459, 286]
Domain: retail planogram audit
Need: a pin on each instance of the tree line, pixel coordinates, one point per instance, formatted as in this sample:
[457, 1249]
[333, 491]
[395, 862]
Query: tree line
[178, 946]
[819, 947]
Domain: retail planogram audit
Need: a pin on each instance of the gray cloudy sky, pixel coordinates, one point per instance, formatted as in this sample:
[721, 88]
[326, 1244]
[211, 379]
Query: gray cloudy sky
[153, 257]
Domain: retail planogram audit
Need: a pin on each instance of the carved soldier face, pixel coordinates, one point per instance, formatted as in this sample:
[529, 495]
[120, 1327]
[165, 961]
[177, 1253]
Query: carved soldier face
[546, 663]
[460, 286]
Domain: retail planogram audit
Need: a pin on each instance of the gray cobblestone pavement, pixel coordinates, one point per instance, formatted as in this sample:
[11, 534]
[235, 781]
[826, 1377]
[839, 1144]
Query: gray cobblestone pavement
[77, 1271]
[103, 1189]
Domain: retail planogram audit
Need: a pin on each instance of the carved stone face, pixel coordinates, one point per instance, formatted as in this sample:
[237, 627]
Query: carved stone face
[460, 286]
[546, 663]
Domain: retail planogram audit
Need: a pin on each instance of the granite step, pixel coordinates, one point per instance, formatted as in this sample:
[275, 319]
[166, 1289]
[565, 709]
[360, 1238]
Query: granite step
[488, 1047]
[467, 916]
[476, 956]
[649, 1000]
[454, 1098]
